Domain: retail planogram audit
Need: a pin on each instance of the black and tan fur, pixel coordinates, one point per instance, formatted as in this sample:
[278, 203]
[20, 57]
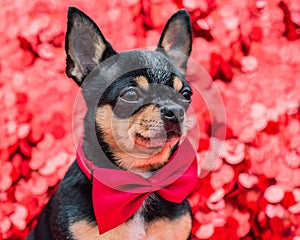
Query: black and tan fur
[138, 122]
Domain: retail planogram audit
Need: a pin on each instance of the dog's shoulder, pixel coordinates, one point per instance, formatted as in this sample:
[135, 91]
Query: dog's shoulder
[73, 199]
[156, 207]
[70, 204]
[166, 220]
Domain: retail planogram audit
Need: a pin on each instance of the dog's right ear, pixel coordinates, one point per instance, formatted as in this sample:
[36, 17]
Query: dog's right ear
[85, 45]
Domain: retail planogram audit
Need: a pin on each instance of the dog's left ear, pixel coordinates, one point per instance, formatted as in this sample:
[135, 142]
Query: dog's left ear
[85, 45]
[177, 37]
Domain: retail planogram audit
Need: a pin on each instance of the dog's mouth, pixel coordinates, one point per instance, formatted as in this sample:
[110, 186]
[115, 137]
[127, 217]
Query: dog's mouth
[155, 142]
[149, 142]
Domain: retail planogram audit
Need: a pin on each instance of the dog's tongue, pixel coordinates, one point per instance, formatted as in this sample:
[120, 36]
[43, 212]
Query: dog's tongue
[150, 142]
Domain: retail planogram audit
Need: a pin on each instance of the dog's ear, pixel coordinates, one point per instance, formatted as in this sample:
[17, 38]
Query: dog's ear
[177, 37]
[85, 45]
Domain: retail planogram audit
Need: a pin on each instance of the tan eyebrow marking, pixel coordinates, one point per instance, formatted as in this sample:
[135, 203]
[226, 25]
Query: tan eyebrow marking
[142, 82]
[177, 84]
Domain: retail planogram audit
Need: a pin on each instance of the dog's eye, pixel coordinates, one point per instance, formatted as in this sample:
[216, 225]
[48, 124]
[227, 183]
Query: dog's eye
[130, 95]
[187, 94]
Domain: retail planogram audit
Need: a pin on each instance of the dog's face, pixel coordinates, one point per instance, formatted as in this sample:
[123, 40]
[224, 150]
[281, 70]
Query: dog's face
[141, 115]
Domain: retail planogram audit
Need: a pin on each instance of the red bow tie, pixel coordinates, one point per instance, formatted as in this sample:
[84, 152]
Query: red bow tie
[117, 194]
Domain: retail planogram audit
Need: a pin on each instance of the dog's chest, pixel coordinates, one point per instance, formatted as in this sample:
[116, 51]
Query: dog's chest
[133, 229]
[137, 229]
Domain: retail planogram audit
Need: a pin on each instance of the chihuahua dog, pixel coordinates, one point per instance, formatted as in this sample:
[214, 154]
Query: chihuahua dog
[139, 120]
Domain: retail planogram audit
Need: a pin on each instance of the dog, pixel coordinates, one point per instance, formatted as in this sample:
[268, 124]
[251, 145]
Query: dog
[139, 121]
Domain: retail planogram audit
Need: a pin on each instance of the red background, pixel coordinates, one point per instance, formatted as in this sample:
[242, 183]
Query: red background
[250, 48]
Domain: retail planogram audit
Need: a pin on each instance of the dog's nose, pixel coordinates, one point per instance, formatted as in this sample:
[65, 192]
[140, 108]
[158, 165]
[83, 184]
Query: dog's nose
[172, 113]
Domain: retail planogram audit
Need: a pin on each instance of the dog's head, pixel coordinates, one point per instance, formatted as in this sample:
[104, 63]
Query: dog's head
[141, 115]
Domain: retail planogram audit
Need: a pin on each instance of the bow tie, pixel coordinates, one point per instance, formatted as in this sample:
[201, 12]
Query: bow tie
[117, 194]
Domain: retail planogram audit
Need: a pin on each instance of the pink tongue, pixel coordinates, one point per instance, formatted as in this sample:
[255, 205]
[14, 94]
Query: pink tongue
[149, 142]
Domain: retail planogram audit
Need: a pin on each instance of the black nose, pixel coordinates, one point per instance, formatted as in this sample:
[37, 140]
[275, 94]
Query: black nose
[172, 113]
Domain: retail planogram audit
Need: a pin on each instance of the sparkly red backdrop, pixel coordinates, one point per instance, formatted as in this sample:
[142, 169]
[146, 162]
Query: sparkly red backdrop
[251, 49]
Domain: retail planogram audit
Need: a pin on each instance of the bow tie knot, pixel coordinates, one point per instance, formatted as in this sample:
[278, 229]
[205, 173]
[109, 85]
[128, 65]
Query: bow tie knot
[154, 184]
